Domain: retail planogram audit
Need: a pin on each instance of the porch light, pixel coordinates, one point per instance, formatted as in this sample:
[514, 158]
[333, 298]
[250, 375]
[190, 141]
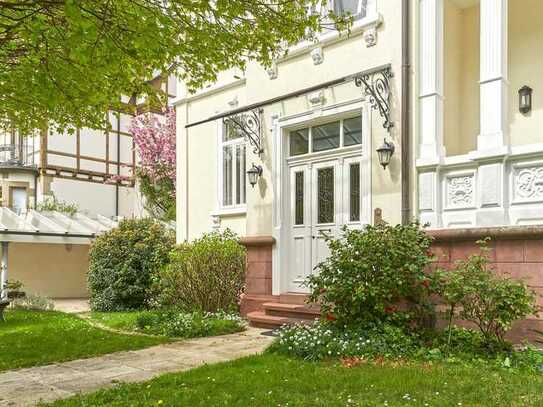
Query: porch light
[525, 99]
[253, 174]
[385, 152]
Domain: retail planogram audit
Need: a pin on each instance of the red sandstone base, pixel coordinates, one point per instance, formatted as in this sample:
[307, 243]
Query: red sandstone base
[517, 252]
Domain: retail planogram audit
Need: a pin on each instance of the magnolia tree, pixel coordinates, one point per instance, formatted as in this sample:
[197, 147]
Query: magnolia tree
[154, 137]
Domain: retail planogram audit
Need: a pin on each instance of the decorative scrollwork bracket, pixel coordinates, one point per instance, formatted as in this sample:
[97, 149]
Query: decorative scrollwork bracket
[377, 86]
[249, 125]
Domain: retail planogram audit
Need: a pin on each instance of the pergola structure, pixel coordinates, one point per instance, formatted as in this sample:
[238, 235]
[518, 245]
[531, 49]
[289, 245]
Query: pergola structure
[46, 227]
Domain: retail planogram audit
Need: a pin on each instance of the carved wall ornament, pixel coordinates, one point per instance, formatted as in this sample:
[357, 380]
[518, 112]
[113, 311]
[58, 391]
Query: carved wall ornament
[317, 56]
[370, 36]
[529, 183]
[316, 98]
[215, 222]
[460, 191]
[272, 71]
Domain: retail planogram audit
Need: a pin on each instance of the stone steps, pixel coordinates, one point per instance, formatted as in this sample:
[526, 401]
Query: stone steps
[289, 310]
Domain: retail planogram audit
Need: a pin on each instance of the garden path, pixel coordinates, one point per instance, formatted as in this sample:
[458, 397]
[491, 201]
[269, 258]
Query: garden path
[47, 383]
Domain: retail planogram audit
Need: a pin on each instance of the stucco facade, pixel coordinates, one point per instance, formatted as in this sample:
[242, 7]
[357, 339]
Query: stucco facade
[473, 159]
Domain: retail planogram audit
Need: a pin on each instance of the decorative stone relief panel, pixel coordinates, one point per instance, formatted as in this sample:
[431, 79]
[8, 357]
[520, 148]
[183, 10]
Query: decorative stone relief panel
[317, 56]
[370, 36]
[528, 183]
[460, 191]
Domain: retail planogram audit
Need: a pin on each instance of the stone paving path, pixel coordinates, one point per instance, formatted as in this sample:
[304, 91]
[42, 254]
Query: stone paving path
[26, 387]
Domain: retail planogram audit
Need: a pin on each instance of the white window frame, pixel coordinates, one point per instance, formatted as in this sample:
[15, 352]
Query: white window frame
[234, 208]
[370, 7]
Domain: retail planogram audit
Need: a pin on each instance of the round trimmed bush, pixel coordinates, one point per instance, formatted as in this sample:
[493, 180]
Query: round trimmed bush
[123, 261]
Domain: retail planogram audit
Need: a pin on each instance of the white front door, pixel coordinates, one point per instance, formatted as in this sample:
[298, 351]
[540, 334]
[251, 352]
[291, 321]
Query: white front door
[324, 196]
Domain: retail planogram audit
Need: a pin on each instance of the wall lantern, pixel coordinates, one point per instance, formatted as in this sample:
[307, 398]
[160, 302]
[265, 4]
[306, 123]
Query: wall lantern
[525, 99]
[253, 174]
[385, 152]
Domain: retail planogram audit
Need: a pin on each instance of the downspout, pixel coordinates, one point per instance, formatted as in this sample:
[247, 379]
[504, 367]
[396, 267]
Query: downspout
[405, 116]
[118, 164]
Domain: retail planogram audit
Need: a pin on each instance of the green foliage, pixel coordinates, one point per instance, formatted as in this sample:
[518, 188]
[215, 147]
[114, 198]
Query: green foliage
[68, 62]
[207, 274]
[370, 272]
[377, 342]
[123, 261]
[188, 325]
[53, 204]
[324, 340]
[159, 199]
[475, 293]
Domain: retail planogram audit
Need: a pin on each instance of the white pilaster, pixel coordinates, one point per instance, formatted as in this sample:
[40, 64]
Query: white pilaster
[493, 80]
[431, 81]
[493, 140]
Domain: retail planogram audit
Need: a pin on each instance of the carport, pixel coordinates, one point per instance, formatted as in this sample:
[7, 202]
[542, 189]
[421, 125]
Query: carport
[45, 228]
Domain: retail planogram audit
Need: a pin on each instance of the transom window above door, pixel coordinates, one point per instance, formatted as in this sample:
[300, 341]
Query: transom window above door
[324, 137]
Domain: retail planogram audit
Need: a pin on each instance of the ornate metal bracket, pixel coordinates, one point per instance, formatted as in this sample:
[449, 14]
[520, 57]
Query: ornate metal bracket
[248, 124]
[377, 86]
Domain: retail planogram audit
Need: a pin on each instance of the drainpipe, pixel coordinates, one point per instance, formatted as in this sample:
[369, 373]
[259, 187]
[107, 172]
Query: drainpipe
[118, 164]
[4, 271]
[405, 115]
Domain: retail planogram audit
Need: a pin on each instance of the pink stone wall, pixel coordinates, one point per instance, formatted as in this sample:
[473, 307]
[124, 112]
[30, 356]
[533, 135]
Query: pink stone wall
[515, 254]
[258, 278]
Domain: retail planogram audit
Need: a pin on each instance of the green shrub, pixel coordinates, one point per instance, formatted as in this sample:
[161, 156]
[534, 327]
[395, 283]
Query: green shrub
[122, 262]
[475, 293]
[375, 275]
[206, 275]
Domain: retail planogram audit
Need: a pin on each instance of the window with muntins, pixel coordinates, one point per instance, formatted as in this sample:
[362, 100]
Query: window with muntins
[328, 136]
[233, 168]
[356, 8]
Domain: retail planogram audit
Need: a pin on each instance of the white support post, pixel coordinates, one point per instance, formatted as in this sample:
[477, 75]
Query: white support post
[493, 77]
[493, 141]
[4, 271]
[431, 81]
[431, 150]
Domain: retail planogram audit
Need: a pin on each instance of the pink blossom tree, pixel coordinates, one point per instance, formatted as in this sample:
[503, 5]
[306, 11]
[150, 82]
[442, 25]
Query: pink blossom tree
[154, 138]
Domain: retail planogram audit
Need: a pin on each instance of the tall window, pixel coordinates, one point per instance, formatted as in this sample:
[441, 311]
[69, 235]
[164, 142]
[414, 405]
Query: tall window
[356, 8]
[233, 167]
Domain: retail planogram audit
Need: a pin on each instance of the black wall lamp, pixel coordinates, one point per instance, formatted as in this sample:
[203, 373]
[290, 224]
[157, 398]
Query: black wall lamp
[525, 99]
[253, 173]
[385, 153]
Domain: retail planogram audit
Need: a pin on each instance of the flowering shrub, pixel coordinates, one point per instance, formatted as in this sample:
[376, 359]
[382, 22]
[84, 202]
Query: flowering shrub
[189, 325]
[322, 341]
[207, 274]
[475, 293]
[375, 275]
[155, 142]
[325, 341]
[122, 261]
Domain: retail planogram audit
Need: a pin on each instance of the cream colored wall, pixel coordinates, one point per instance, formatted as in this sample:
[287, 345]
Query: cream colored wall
[52, 270]
[461, 78]
[197, 146]
[525, 67]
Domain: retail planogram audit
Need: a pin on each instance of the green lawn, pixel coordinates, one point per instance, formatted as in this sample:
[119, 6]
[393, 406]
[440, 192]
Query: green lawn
[273, 380]
[117, 320]
[31, 338]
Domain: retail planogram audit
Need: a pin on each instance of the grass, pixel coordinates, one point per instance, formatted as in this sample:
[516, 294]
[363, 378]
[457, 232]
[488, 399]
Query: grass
[32, 338]
[274, 380]
[172, 324]
[125, 321]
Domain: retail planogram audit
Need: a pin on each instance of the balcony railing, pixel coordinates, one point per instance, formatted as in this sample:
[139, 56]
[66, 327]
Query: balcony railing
[18, 155]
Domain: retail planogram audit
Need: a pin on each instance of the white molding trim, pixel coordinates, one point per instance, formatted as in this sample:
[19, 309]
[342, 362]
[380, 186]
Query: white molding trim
[209, 91]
